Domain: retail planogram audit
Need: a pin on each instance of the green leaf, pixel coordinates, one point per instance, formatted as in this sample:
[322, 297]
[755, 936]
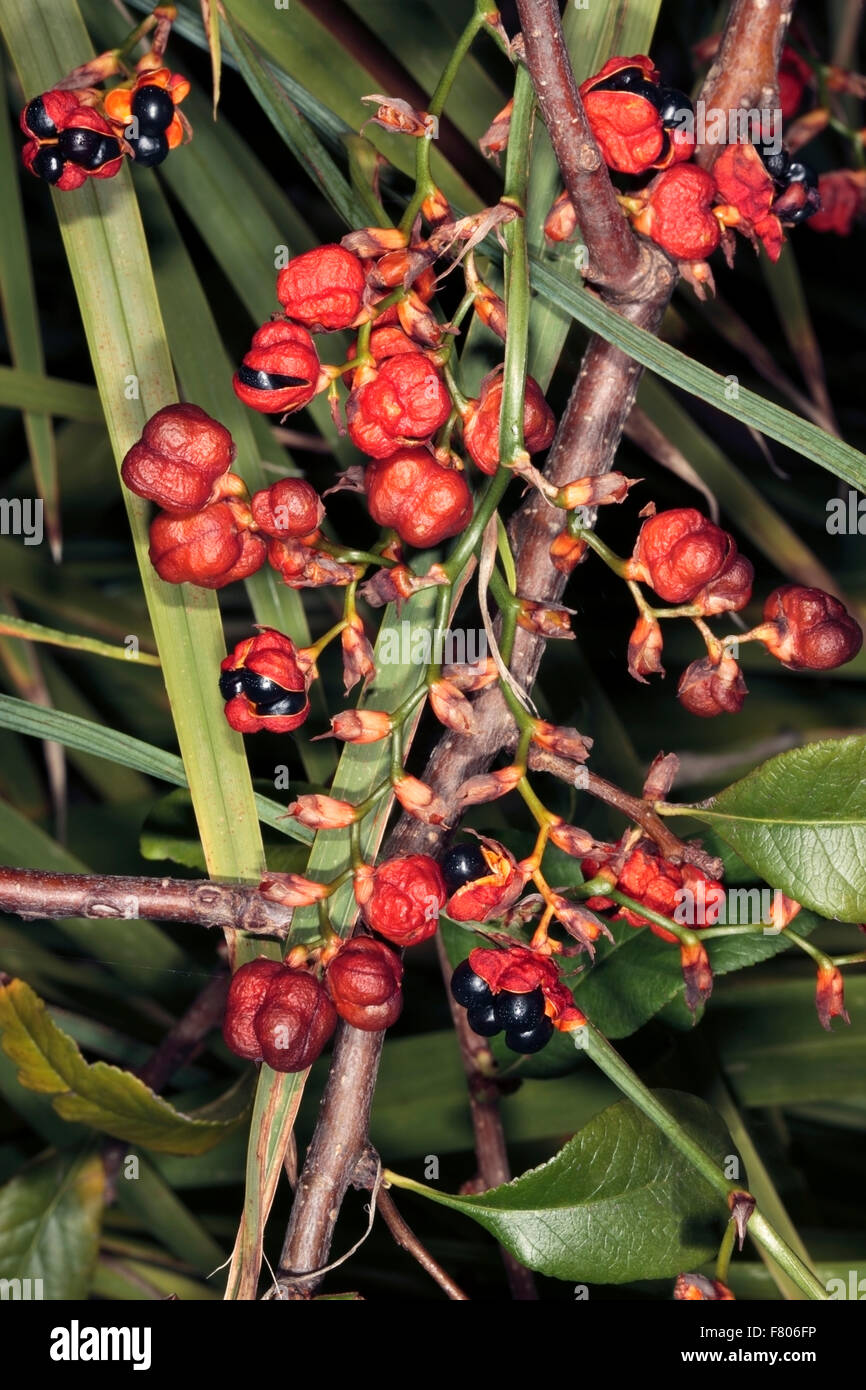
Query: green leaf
[681, 370]
[21, 321]
[169, 832]
[96, 1094]
[45, 395]
[799, 821]
[50, 1218]
[73, 732]
[617, 1203]
[148, 1199]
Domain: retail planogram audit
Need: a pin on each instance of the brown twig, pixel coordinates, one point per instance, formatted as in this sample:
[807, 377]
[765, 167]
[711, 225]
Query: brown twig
[408, 1241]
[616, 258]
[744, 72]
[32, 894]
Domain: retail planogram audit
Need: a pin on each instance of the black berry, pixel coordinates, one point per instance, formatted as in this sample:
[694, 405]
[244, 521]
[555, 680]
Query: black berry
[530, 1039]
[231, 684]
[626, 80]
[38, 121]
[290, 702]
[153, 108]
[48, 165]
[482, 1019]
[267, 381]
[468, 988]
[89, 149]
[261, 689]
[463, 864]
[518, 1012]
[672, 106]
[776, 162]
[149, 150]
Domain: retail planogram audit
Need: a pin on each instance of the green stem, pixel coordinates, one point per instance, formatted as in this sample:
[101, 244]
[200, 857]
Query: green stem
[517, 300]
[726, 1249]
[608, 1060]
[604, 552]
[423, 180]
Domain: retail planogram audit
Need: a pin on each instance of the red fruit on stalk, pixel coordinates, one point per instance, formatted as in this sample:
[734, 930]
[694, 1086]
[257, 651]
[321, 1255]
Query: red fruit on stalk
[677, 213]
[295, 1021]
[481, 422]
[322, 289]
[424, 502]
[263, 685]
[179, 459]
[401, 403]
[210, 548]
[364, 982]
[624, 116]
[250, 983]
[684, 557]
[811, 630]
[403, 898]
[709, 688]
[290, 509]
[280, 371]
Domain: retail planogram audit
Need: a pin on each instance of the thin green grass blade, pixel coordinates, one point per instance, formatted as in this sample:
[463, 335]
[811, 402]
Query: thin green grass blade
[21, 317]
[45, 395]
[73, 732]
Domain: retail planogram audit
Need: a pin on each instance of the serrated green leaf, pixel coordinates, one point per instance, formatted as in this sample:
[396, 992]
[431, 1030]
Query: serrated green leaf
[50, 1218]
[618, 1202]
[110, 1100]
[799, 820]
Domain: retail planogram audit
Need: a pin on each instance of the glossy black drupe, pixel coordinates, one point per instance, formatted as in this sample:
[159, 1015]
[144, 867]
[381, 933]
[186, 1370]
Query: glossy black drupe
[149, 150]
[530, 1039]
[776, 162]
[261, 689]
[48, 165]
[463, 864]
[517, 1012]
[290, 702]
[626, 80]
[267, 381]
[153, 108]
[468, 988]
[38, 121]
[672, 106]
[89, 149]
[482, 1020]
[231, 684]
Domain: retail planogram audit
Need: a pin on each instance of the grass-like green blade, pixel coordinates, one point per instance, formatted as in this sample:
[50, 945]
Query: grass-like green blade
[21, 319]
[110, 265]
[294, 128]
[45, 395]
[73, 732]
[785, 284]
[679, 369]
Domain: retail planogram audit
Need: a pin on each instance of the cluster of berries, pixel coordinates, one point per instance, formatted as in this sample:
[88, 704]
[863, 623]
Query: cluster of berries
[210, 531]
[640, 125]
[73, 135]
[689, 560]
[518, 1012]
[398, 398]
[284, 1015]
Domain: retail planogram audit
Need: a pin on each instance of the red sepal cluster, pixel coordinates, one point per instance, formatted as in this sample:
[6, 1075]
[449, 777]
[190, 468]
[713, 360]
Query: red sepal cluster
[481, 421]
[492, 892]
[422, 500]
[808, 630]
[401, 898]
[270, 659]
[660, 885]
[364, 982]
[688, 559]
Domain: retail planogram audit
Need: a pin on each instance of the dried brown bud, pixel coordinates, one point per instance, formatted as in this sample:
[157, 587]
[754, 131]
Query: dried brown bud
[546, 620]
[567, 551]
[358, 663]
[471, 675]
[561, 222]
[830, 996]
[595, 491]
[451, 708]
[708, 689]
[370, 242]
[572, 839]
[697, 1287]
[579, 923]
[568, 743]
[661, 776]
[395, 114]
[420, 801]
[495, 137]
[645, 650]
[487, 786]
[322, 812]
[697, 973]
[360, 725]
[292, 890]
